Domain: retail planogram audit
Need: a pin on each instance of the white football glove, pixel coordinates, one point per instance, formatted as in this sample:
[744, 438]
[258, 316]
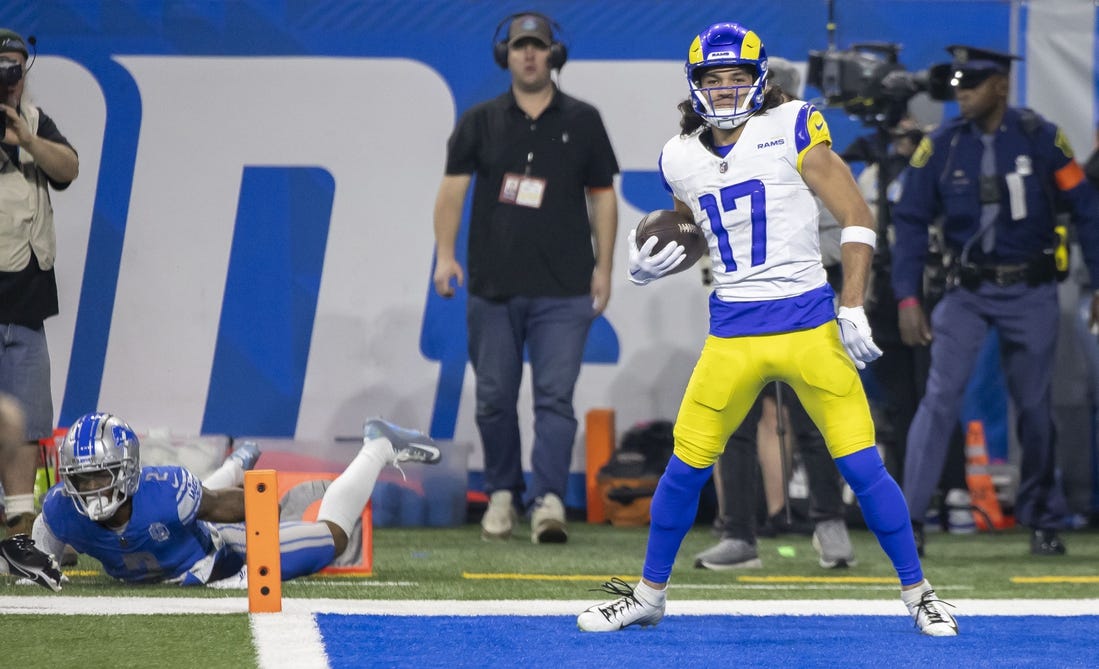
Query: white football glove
[645, 265]
[855, 335]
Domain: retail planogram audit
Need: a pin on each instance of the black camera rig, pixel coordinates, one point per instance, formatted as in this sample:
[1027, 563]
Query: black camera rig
[10, 72]
[870, 83]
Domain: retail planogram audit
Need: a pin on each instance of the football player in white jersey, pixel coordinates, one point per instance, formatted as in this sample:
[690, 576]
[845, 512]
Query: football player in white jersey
[162, 525]
[744, 168]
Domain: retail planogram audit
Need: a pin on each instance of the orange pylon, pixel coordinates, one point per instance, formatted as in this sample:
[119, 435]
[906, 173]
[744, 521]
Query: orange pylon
[261, 525]
[982, 492]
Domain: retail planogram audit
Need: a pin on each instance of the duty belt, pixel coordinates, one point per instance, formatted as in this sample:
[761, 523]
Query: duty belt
[1001, 275]
[1038, 271]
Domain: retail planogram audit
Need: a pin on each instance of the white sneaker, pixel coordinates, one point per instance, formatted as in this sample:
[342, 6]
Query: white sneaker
[547, 521]
[620, 613]
[500, 516]
[929, 612]
[833, 545]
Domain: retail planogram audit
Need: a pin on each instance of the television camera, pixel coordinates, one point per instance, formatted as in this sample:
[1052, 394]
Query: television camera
[868, 81]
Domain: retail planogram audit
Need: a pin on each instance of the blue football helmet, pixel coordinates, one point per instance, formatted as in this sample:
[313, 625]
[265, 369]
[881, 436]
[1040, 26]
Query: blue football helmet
[98, 443]
[726, 45]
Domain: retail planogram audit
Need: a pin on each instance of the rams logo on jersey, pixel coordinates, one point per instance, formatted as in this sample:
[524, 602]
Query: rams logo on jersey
[774, 142]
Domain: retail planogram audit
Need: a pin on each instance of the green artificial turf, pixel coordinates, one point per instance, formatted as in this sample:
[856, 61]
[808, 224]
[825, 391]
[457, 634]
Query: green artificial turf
[454, 563]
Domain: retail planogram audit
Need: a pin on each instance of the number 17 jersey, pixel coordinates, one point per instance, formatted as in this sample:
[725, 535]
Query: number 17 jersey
[760, 220]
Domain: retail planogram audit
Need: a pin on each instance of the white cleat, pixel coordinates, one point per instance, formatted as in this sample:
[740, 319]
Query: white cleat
[930, 615]
[246, 453]
[620, 613]
[408, 445]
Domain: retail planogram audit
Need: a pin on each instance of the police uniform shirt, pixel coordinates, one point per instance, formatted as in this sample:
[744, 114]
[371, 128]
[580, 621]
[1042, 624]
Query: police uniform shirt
[944, 179]
[29, 296]
[162, 540]
[760, 220]
[516, 250]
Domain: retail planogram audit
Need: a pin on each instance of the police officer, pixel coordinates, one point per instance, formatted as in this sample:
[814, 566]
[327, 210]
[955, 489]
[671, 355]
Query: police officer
[994, 175]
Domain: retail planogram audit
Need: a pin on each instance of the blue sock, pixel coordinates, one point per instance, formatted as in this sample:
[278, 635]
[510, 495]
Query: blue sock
[884, 510]
[673, 511]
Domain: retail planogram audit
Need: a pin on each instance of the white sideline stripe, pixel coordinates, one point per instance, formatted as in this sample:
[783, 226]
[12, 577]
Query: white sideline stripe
[64, 605]
[287, 641]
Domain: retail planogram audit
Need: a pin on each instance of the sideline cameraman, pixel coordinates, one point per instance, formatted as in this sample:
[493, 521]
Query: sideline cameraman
[33, 156]
[995, 174]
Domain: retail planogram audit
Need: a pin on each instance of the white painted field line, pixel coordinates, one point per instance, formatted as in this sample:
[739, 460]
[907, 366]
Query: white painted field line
[62, 605]
[287, 641]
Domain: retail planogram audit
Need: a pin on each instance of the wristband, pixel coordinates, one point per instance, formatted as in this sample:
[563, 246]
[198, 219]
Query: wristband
[908, 302]
[859, 234]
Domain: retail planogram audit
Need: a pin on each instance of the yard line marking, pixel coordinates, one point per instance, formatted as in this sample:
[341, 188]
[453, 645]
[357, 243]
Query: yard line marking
[71, 605]
[287, 641]
[1054, 579]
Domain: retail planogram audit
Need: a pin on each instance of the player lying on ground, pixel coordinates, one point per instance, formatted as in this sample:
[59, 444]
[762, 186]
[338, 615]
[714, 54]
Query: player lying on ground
[162, 525]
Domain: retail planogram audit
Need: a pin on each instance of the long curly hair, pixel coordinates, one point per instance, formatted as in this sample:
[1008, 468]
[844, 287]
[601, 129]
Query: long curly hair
[690, 120]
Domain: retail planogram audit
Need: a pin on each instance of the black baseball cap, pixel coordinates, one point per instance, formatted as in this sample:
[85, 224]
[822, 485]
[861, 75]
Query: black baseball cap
[973, 65]
[12, 42]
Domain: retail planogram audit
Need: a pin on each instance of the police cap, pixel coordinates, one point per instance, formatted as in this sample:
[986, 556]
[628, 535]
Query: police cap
[973, 65]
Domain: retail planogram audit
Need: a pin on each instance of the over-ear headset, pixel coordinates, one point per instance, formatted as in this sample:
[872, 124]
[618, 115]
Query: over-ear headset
[558, 52]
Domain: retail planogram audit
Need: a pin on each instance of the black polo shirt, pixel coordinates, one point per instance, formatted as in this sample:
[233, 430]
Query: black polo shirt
[516, 250]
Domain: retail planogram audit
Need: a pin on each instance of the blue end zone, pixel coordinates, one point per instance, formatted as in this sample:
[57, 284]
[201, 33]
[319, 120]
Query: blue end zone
[705, 641]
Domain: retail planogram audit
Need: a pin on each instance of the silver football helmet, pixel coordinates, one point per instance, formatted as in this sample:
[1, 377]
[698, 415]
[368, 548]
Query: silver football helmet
[98, 445]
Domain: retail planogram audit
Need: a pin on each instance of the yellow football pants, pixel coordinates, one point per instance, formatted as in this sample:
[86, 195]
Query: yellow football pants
[732, 371]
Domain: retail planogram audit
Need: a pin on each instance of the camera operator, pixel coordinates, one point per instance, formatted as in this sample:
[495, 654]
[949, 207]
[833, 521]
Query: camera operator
[33, 156]
[995, 175]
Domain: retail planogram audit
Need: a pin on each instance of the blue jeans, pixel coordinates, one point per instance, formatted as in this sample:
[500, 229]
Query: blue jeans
[553, 330]
[25, 375]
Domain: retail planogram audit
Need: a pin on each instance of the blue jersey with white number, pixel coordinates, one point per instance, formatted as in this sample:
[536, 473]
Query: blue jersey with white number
[760, 220]
[163, 540]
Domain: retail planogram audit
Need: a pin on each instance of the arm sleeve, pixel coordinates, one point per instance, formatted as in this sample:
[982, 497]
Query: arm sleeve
[660, 170]
[602, 163]
[47, 129]
[912, 216]
[45, 539]
[1082, 198]
[810, 129]
[462, 147]
[188, 496]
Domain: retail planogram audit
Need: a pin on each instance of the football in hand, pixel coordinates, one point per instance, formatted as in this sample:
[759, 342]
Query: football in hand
[671, 226]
